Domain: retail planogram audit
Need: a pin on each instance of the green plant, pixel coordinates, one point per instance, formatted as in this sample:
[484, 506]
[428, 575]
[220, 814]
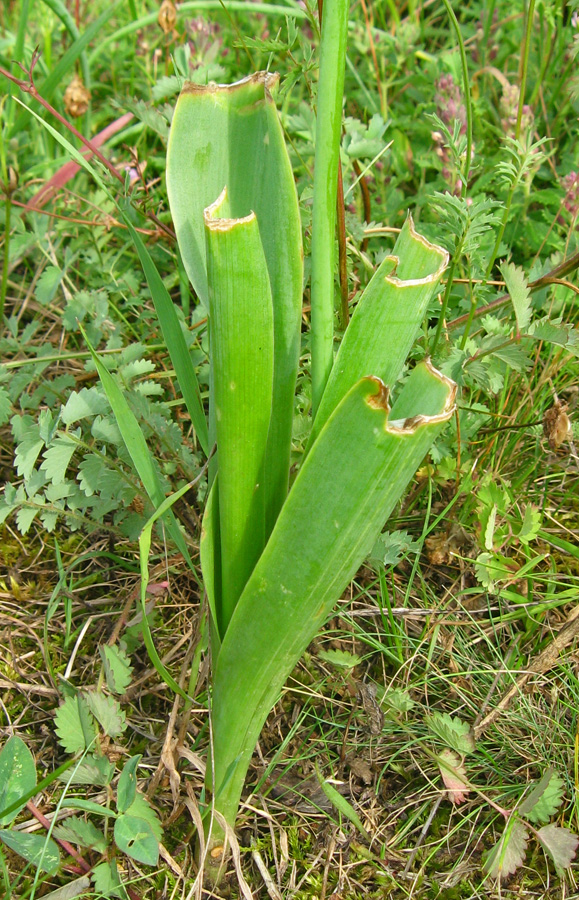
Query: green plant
[273, 566]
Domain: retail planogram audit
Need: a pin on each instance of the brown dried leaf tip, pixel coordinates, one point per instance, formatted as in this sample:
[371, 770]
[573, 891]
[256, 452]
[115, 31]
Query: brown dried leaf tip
[167, 17]
[556, 425]
[76, 98]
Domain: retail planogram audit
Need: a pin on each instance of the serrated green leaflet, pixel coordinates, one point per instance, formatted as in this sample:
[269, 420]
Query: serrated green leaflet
[118, 669]
[107, 712]
[75, 726]
[545, 798]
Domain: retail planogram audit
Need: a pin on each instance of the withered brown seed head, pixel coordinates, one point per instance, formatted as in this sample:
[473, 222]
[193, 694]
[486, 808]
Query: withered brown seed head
[556, 425]
[167, 18]
[10, 187]
[76, 98]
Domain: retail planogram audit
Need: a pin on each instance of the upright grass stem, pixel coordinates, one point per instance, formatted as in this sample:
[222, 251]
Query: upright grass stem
[328, 126]
[6, 256]
[466, 92]
[467, 161]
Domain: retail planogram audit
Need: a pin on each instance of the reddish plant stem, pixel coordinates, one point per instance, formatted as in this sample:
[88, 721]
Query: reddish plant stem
[30, 88]
[552, 277]
[68, 848]
[365, 200]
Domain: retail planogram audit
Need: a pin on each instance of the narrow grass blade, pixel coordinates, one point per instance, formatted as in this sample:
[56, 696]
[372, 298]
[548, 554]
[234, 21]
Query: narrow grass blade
[341, 803]
[60, 10]
[144, 550]
[241, 353]
[175, 341]
[348, 485]
[139, 452]
[387, 318]
[230, 136]
[209, 549]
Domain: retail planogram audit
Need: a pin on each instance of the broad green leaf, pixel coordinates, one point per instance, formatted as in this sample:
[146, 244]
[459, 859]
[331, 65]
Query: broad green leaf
[566, 336]
[75, 725]
[241, 352]
[47, 285]
[560, 844]
[34, 848]
[135, 837]
[452, 731]
[107, 712]
[85, 834]
[230, 136]
[398, 700]
[509, 852]
[127, 786]
[142, 810]
[518, 288]
[25, 517]
[117, 666]
[386, 319]
[26, 455]
[545, 799]
[349, 483]
[88, 806]
[17, 776]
